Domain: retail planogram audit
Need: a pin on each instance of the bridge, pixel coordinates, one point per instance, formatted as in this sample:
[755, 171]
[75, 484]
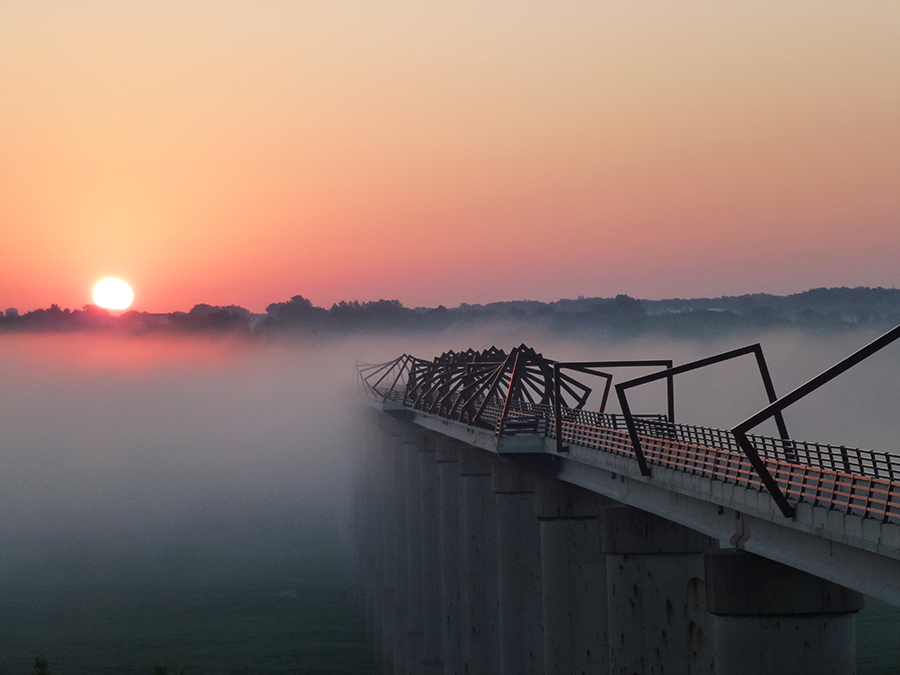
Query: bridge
[501, 526]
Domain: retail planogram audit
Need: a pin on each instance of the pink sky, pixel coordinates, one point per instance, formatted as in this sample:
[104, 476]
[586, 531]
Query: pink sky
[244, 152]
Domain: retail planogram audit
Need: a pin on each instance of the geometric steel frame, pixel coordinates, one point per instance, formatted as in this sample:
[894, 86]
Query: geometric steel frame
[462, 385]
[587, 367]
[451, 379]
[775, 407]
[499, 379]
[484, 387]
[366, 372]
[524, 373]
[757, 463]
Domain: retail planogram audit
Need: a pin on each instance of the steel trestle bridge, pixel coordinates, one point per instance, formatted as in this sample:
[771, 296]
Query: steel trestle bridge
[820, 513]
[521, 392]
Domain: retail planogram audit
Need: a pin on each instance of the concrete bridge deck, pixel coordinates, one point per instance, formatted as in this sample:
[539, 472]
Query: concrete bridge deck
[830, 535]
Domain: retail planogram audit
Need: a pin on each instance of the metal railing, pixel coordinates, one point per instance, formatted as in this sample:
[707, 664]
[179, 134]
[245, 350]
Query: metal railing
[841, 478]
[850, 480]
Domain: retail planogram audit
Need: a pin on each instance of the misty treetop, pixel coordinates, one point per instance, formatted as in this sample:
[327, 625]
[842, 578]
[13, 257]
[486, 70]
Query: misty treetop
[820, 308]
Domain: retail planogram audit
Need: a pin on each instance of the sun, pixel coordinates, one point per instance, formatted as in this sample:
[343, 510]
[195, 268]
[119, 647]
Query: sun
[113, 294]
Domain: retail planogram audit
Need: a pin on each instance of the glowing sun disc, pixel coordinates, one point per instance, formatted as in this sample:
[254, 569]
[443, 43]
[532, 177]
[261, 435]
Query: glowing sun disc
[113, 294]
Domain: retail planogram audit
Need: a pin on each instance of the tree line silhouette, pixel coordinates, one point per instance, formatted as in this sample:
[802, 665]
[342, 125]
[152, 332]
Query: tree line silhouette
[820, 308]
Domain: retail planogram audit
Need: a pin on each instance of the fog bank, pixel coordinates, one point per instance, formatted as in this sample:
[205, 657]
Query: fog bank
[125, 458]
[153, 459]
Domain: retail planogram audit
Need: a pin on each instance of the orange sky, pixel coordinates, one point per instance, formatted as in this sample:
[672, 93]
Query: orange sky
[244, 152]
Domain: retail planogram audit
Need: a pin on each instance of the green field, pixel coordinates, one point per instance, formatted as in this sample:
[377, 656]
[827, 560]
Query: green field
[288, 613]
[292, 615]
[258, 629]
[308, 628]
[878, 639]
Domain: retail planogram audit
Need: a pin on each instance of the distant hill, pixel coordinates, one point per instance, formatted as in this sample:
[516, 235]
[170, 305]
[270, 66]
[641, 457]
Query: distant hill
[855, 305]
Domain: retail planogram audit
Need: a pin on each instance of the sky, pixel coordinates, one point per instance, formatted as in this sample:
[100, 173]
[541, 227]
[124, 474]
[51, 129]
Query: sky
[437, 153]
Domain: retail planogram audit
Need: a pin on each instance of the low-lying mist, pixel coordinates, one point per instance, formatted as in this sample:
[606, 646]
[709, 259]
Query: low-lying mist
[159, 459]
[153, 459]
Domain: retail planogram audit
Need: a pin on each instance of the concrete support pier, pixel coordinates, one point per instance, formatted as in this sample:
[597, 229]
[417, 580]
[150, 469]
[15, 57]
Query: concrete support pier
[429, 497]
[373, 518]
[480, 615]
[519, 572]
[390, 462]
[770, 618]
[573, 580]
[656, 592]
[413, 446]
[447, 455]
[400, 555]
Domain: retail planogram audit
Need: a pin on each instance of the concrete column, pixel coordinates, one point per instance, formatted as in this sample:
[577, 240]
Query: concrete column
[573, 578]
[770, 618]
[400, 566]
[353, 540]
[480, 615]
[430, 557]
[413, 446]
[519, 571]
[375, 562]
[354, 536]
[657, 600]
[370, 527]
[388, 597]
[451, 535]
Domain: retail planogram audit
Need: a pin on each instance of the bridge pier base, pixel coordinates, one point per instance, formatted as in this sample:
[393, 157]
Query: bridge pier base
[519, 572]
[480, 600]
[657, 602]
[771, 618]
[573, 579]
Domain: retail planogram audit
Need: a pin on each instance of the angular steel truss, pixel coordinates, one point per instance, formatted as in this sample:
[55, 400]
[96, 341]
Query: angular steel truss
[521, 391]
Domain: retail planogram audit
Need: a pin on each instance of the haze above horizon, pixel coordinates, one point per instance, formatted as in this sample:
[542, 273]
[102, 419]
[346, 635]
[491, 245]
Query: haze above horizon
[233, 153]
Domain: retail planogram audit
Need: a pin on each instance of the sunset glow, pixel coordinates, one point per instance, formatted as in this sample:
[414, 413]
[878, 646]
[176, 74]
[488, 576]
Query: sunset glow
[244, 153]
